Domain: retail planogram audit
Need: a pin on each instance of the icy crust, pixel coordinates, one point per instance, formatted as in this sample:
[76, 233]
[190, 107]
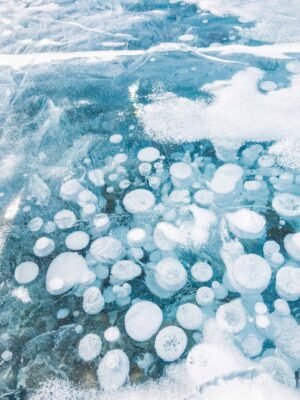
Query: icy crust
[254, 115]
[270, 24]
[175, 386]
[174, 261]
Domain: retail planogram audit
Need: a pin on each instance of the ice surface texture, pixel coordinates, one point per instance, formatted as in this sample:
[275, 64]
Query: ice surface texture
[149, 199]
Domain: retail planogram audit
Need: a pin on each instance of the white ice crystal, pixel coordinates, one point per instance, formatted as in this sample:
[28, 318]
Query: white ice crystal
[26, 272]
[77, 240]
[106, 249]
[89, 347]
[170, 343]
[113, 370]
[143, 320]
[246, 224]
[65, 271]
[189, 316]
[139, 201]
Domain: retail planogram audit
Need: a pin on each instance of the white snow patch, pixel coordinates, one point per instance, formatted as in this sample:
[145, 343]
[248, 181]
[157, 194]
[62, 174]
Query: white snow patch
[275, 20]
[238, 111]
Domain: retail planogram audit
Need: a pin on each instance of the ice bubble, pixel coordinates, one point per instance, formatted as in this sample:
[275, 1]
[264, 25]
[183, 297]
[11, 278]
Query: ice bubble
[139, 201]
[202, 271]
[35, 224]
[205, 296]
[279, 370]
[64, 272]
[246, 224]
[178, 196]
[282, 307]
[88, 211]
[77, 240]
[260, 308]
[78, 329]
[262, 321]
[113, 177]
[288, 283]
[43, 247]
[113, 370]
[101, 271]
[89, 347]
[112, 334]
[276, 260]
[154, 182]
[26, 272]
[124, 184]
[287, 205]
[270, 247]
[189, 316]
[106, 249]
[122, 293]
[136, 237]
[148, 154]
[96, 176]
[165, 236]
[204, 197]
[292, 245]
[170, 274]
[293, 67]
[249, 274]
[62, 313]
[125, 270]
[252, 345]
[268, 86]
[226, 178]
[195, 233]
[49, 227]
[116, 138]
[6, 356]
[121, 158]
[70, 190]
[101, 222]
[93, 301]
[145, 169]
[181, 174]
[64, 219]
[220, 290]
[186, 38]
[266, 161]
[206, 362]
[170, 343]
[86, 197]
[231, 317]
[143, 320]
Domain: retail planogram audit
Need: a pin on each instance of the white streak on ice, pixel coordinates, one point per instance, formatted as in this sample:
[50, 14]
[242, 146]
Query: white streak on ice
[280, 51]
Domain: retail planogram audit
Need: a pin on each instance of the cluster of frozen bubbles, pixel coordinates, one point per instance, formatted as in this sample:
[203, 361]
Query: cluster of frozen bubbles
[176, 206]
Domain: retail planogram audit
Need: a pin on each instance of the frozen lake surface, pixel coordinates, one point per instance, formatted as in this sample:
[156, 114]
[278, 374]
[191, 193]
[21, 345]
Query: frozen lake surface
[150, 199]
